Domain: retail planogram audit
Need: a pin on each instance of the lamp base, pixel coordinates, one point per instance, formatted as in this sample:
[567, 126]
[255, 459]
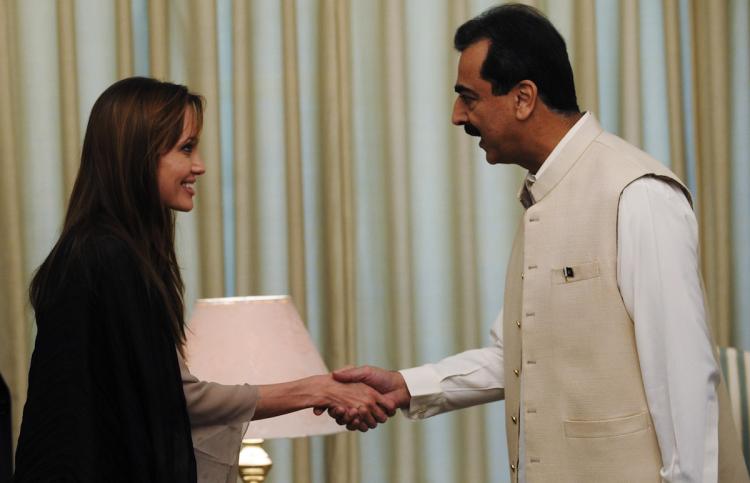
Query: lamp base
[254, 462]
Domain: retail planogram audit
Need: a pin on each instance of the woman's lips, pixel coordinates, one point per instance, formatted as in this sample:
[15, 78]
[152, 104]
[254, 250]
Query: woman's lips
[190, 188]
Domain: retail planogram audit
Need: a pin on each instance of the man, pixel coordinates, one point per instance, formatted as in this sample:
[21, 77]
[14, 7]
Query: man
[602, 352]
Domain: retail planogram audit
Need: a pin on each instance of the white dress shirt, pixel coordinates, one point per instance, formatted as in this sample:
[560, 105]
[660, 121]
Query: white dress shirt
[658, 274]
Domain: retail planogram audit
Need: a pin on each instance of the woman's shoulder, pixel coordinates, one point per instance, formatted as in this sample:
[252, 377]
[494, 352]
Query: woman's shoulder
[95, 249]
[83, 262]
[108, 246]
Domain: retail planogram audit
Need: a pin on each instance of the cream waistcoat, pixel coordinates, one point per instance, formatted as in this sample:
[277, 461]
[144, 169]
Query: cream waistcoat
[567, 334]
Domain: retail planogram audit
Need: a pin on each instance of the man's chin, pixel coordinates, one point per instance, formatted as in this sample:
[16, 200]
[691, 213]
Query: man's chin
[492, 158]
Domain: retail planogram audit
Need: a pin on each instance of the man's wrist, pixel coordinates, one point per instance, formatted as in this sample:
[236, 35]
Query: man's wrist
[401, 394]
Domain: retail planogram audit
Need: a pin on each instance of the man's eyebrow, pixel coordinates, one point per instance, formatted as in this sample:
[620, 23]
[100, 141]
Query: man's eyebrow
[462, 89]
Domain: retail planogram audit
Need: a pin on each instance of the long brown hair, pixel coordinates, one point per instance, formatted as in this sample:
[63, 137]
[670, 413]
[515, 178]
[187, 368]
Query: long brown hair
[132, 125]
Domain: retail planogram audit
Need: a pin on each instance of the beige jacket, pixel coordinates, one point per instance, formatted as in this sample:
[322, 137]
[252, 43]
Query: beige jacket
[219, 415]
[573, 380]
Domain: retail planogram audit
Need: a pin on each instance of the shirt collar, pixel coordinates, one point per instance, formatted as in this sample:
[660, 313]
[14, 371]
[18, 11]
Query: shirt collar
[585, 128]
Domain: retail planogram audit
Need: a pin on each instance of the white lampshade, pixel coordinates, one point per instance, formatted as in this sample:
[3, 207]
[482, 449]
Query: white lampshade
[257, 340]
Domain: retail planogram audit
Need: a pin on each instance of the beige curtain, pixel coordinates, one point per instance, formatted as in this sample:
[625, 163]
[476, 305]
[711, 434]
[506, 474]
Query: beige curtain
[14, 344]
[712, 73]
[357, 208]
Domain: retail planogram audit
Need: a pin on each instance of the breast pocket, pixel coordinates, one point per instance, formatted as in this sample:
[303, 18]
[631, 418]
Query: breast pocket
[575, 273]
[607, 428]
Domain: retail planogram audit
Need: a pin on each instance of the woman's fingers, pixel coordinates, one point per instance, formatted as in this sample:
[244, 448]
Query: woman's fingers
[367, 417]
[377, 412]
[357, 425]
[386, 407]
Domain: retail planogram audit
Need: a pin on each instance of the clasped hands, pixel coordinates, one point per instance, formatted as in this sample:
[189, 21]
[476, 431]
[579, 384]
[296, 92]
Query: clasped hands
[368, 396]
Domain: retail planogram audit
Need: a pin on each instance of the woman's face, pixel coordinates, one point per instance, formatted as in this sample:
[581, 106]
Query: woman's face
[179, 168]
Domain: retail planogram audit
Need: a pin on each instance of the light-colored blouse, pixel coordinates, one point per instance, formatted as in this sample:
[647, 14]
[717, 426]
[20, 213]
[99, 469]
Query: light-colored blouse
[219, 415]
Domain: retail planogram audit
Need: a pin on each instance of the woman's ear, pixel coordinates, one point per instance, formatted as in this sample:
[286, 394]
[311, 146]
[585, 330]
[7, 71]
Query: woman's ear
[524, 99]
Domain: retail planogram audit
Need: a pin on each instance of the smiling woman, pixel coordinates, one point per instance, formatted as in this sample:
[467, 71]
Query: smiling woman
[108, 387]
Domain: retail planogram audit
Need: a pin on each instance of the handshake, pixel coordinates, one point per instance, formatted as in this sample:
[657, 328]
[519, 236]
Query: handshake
[360, 398]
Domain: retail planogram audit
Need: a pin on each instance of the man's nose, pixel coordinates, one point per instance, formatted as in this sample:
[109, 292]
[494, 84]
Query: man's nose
[458, 117]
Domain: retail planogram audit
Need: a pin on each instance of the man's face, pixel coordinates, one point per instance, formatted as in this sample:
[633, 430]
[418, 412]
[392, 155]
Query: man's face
[481, 113]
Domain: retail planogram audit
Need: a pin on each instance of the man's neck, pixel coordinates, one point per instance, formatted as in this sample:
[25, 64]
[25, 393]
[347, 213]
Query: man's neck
[551, 128]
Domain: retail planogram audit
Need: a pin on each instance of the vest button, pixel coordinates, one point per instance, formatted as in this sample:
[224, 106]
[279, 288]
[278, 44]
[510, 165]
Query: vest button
[522, 275]
[514, 419]
[512, 467]
[518, 323]
[515, 371]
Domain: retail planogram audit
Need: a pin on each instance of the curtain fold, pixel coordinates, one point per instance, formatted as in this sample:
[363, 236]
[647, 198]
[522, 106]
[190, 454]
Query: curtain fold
[14, 308]
[711, 47]
[124, 36]
[339, 265]
[471, 423]
[158, 32]
[69, 121]
[585, 67]
[630, 70]
[674, 88]
[302, 470]
[740, 46]
[293, 147]
[406, 466]
[203, 71]
[244, 161]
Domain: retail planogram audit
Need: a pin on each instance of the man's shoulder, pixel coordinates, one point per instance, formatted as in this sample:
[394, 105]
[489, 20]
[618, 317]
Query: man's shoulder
[616, 152]
[623, 150]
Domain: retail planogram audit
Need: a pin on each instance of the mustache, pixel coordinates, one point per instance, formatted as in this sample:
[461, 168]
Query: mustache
[471, 130]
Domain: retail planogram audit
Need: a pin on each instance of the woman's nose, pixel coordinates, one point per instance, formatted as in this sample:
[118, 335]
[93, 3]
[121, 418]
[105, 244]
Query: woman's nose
[198, 166]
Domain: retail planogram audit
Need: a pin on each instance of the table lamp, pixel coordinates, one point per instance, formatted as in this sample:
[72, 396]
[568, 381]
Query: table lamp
[257, 340]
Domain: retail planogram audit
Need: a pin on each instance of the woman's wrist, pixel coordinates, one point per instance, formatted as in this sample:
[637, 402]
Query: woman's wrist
[287, 397]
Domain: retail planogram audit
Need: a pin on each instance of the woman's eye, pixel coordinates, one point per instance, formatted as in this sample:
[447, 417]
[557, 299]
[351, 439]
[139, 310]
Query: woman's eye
[187, 148]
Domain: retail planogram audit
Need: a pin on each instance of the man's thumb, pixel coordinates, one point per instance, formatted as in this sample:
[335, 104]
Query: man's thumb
[348, 374]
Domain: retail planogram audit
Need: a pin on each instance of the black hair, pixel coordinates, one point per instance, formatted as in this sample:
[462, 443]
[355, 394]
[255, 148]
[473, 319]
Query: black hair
[523, 45]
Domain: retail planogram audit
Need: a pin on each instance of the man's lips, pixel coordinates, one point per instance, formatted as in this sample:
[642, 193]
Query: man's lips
[471, 130]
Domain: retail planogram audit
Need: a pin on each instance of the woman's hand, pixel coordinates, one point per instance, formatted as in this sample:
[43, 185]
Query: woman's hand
[360, 402]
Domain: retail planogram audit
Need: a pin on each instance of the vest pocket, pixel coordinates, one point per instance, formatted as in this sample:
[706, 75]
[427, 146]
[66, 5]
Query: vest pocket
[575, 273]
[606, 428]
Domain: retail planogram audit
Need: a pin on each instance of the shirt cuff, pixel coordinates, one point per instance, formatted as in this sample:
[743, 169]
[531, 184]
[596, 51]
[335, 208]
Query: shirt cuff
[423, 383]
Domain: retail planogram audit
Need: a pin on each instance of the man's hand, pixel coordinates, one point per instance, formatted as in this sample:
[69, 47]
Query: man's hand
[390, 384]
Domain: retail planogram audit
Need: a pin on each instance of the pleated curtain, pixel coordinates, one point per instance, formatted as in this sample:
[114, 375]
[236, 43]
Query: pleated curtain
[334, 175]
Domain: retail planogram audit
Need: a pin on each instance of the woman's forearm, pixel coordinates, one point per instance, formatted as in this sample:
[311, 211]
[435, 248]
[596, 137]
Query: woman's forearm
[285, 397]
[323, 392]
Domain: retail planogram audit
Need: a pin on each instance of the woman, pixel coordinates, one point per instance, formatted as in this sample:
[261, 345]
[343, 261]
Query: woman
[105, 399]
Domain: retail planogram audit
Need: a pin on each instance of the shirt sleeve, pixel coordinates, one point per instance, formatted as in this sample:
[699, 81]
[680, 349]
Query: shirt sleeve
[659, 277]
[459, 381]
[210, 403]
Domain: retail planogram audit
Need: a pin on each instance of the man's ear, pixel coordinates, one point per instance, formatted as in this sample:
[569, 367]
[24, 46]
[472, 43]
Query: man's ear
[524, 99]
